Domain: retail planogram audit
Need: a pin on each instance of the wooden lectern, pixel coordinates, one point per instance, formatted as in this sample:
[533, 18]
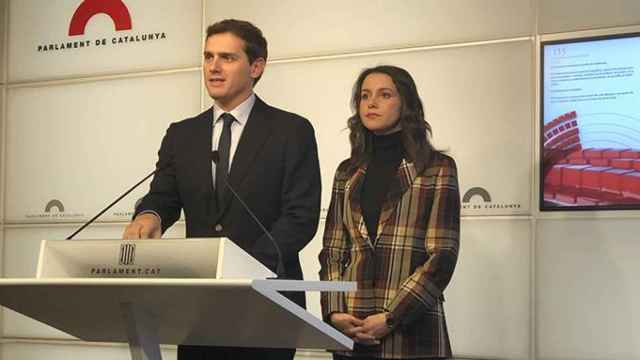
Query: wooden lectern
[169, 291]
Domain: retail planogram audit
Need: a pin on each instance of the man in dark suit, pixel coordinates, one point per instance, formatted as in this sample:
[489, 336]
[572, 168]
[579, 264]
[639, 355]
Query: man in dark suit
[269, 156]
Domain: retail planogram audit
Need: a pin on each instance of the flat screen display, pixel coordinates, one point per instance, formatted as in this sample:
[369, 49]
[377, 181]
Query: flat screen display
[590, 123]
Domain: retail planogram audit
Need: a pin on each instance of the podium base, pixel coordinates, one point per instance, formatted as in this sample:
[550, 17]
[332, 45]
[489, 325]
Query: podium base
[142, 333]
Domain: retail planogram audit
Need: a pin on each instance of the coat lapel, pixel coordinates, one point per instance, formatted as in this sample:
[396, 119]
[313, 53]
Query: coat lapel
[353, 219]
[401, 183]
[256, 132]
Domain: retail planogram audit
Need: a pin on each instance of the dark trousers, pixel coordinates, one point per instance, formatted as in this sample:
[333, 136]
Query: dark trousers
[189, 352]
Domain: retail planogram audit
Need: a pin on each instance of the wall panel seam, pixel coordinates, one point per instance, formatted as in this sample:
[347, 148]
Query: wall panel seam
[86, 79]
[398, 50]
[102, 224]
[106, 223]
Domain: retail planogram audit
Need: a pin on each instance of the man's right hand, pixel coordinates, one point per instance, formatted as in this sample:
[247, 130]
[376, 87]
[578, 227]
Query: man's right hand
[144, 226]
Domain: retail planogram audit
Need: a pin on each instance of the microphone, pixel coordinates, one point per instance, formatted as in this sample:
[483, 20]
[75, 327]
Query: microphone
[113, 203]
[215, 157]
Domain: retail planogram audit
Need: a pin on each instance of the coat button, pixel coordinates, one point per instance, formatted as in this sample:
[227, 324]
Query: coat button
[218, 227]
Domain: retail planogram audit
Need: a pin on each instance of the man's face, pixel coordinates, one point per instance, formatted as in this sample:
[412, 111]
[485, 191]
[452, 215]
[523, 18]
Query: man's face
[228, 75]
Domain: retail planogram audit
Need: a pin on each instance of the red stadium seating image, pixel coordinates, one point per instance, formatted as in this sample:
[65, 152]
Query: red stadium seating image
[631, 185]
[598, 180]
[578, 161]
[577, 176]
[613, 153]
[622, 163]
[554, 178]
[594, 153]
[561, 139]
[612, 180]
[599, 162]
[630, 154]
[575, 155]
[572, 175]
[592, 179]
[587, 201]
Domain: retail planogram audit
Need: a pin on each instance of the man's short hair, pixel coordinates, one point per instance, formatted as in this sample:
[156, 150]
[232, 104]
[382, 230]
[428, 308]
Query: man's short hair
[255, 43]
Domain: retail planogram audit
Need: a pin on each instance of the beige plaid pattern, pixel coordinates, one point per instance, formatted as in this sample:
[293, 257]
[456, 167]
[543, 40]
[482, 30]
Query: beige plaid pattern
[406, 269]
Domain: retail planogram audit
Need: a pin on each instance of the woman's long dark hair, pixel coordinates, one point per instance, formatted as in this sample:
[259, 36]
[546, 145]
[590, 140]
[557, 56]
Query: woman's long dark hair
[415, 129]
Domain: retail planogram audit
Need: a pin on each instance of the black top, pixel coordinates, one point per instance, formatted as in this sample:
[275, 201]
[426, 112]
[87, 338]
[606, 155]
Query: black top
[388, 152]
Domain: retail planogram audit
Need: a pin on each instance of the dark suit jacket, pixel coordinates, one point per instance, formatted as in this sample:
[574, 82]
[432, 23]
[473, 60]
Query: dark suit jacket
[275, 170]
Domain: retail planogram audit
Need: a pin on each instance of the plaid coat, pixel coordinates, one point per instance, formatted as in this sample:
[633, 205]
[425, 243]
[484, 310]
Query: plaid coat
[405, 270]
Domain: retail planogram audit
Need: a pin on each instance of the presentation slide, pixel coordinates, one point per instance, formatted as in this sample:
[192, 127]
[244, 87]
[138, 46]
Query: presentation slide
[591, 123]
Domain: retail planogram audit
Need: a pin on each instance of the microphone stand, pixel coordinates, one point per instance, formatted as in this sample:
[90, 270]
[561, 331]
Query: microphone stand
[280, 266]
[110, 205]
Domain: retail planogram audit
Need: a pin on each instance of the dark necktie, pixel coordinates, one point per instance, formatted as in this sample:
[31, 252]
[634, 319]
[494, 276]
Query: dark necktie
[224, 145]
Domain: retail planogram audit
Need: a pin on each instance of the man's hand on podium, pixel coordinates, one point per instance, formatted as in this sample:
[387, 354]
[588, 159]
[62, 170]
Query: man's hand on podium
[144, 226]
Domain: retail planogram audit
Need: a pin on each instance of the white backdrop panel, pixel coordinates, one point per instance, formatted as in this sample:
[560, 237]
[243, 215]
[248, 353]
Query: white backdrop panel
[570, 15]
[83, 144]
[3, 127]
[20, 259]
[2, 262]
[302, 28]
[35, 23]
[35, 351]
[3, 28]
[478, 99]
[488, 301]
[311, 267]
[587, 289]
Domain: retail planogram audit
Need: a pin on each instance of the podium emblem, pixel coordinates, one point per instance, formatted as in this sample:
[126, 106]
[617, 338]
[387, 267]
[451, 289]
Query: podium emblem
[127, 254]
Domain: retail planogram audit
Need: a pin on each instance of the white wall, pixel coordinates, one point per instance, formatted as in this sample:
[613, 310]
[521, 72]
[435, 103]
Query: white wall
[587, 289]
[78, 126]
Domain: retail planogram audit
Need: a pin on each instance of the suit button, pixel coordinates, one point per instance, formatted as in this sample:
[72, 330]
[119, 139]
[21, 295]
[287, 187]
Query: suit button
[218, 227]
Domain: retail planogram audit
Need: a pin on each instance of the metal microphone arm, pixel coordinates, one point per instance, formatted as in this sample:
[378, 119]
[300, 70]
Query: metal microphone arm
[215, 156]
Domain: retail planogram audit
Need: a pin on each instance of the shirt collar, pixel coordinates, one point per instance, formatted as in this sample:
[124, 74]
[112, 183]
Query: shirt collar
[241, 112]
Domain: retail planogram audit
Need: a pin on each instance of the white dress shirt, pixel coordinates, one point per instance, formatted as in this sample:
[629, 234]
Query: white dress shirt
[241, 113]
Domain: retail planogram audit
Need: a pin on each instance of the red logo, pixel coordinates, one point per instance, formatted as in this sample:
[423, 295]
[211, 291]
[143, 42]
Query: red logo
[116, 10]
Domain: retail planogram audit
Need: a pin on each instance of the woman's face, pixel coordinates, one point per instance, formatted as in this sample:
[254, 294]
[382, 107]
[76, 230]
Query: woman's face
[380, 104]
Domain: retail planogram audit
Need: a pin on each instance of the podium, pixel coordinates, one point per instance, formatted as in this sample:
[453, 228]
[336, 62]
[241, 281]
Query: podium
[169, 291]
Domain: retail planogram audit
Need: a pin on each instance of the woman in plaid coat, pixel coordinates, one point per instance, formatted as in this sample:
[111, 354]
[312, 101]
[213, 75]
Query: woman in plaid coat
[393, 226]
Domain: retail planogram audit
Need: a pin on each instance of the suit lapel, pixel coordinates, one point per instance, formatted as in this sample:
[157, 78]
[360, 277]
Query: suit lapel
[256, 132]
[202, 138]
